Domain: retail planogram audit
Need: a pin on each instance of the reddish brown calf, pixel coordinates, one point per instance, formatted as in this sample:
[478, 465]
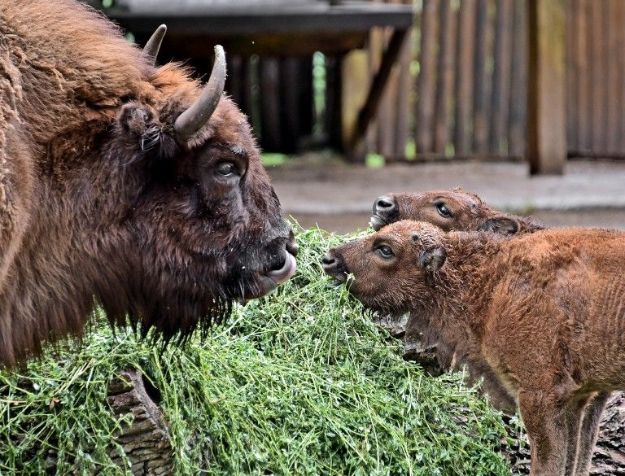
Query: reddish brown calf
[542, 313]
[449, 210]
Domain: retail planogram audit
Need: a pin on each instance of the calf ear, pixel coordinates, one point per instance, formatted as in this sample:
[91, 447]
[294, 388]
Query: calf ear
[433, 259]
[502, 225]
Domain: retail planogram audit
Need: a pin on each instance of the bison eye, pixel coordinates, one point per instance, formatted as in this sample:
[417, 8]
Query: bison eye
[227, 169]
[442, 210]
[384, 251]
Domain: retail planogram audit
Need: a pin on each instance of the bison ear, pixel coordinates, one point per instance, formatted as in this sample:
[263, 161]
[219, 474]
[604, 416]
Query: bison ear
[140, 122]
[433, 259]
[501, 225]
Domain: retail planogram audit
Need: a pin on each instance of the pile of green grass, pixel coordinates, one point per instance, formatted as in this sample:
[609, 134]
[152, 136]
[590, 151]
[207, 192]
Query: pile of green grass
[301, 382]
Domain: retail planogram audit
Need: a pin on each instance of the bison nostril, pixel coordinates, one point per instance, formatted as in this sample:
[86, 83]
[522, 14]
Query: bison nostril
[328, 261]
[384, 205]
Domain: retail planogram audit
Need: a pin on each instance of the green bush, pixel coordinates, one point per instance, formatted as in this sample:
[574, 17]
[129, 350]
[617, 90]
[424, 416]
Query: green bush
[301, 382]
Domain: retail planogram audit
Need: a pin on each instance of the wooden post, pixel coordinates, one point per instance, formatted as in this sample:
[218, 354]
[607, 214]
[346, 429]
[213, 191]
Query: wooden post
[546, 120]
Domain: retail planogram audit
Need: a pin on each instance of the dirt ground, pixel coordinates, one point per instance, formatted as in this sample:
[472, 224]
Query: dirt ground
[338, 198]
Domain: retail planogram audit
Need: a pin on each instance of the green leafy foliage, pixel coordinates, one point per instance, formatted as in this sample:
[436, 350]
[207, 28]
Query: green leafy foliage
[301, 382]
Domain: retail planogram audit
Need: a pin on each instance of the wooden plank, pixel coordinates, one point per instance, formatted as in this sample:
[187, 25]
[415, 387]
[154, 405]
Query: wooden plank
[355, 82]
[582, 70]
[305, 98]
[501, 78]
[571, 78]
[614, 84]
[314, 18]
[445, 74]
[464, 77]
[376, 90]
[333, 114]
[596, 69]
[290, 114]
[482, 81]
[270, 104]
[403, 106]
[620, 19]
[426, 82]
[546, 121]
[518, 83]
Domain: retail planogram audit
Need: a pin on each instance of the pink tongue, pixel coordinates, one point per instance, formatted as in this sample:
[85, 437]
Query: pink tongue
[283, 274]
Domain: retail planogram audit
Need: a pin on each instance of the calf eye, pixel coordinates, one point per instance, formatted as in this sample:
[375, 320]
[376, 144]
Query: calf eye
[384, 251]
[227, 169]
[443, 210]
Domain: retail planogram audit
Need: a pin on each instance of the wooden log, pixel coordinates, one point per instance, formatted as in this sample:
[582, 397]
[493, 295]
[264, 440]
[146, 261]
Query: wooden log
[426, 82]
[403, 106]
[270, 91]
[501, 78]
[546, 121]
[445, 75]
[582, 70]
[614, 83]
[145, 441]
[464, 77]
[518, 84]
[482, 79]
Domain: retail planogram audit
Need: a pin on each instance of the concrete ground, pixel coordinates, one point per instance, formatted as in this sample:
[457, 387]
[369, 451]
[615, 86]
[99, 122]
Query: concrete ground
[338, 197]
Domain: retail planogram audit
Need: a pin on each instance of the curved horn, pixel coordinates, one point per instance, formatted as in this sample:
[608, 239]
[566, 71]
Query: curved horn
[150, 50]
[198, 114]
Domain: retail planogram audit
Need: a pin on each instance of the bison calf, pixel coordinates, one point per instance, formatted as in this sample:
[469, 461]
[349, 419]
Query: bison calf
[542, 313]
[449, 210]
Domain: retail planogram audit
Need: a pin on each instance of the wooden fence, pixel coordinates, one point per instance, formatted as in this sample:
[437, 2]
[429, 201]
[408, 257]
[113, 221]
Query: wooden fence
[469, 90]
[460, 88]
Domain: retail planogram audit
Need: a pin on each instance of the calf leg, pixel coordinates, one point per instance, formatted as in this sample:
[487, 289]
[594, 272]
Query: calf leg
[548, 423]
[575, 415]
[588, 432]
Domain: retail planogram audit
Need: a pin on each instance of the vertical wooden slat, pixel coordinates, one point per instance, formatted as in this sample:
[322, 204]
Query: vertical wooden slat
[305, 96]
[546, 93]
[571, 79]
[501, 77]
[270, 104]
[518, 81]
[612, 84]
[620, 20]
[426, 83]
[481, 79]
[334, 101]
[582, 70]
[464, 77]
[290, 113]
[596, 67]
[403, 98]
[445, 74]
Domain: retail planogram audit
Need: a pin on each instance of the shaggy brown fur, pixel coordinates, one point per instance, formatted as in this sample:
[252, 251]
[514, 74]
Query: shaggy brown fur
[544, 312]
[449, 210]
[100, 203]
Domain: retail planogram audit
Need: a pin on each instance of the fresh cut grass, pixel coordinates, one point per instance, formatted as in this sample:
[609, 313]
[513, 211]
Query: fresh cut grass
[301, 382]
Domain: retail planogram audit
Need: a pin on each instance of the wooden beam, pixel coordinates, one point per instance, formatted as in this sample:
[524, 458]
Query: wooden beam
[546, 121]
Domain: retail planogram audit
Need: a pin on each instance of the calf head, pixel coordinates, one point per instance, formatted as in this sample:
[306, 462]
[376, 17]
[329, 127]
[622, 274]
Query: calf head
[447, 209]
[391, 271]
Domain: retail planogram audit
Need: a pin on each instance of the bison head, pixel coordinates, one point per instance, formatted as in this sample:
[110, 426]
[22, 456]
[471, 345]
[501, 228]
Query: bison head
[390, 271]
[449, 210]
[202, 226]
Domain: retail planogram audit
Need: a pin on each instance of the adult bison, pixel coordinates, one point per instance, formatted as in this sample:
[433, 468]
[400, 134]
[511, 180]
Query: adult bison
[122, 184]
